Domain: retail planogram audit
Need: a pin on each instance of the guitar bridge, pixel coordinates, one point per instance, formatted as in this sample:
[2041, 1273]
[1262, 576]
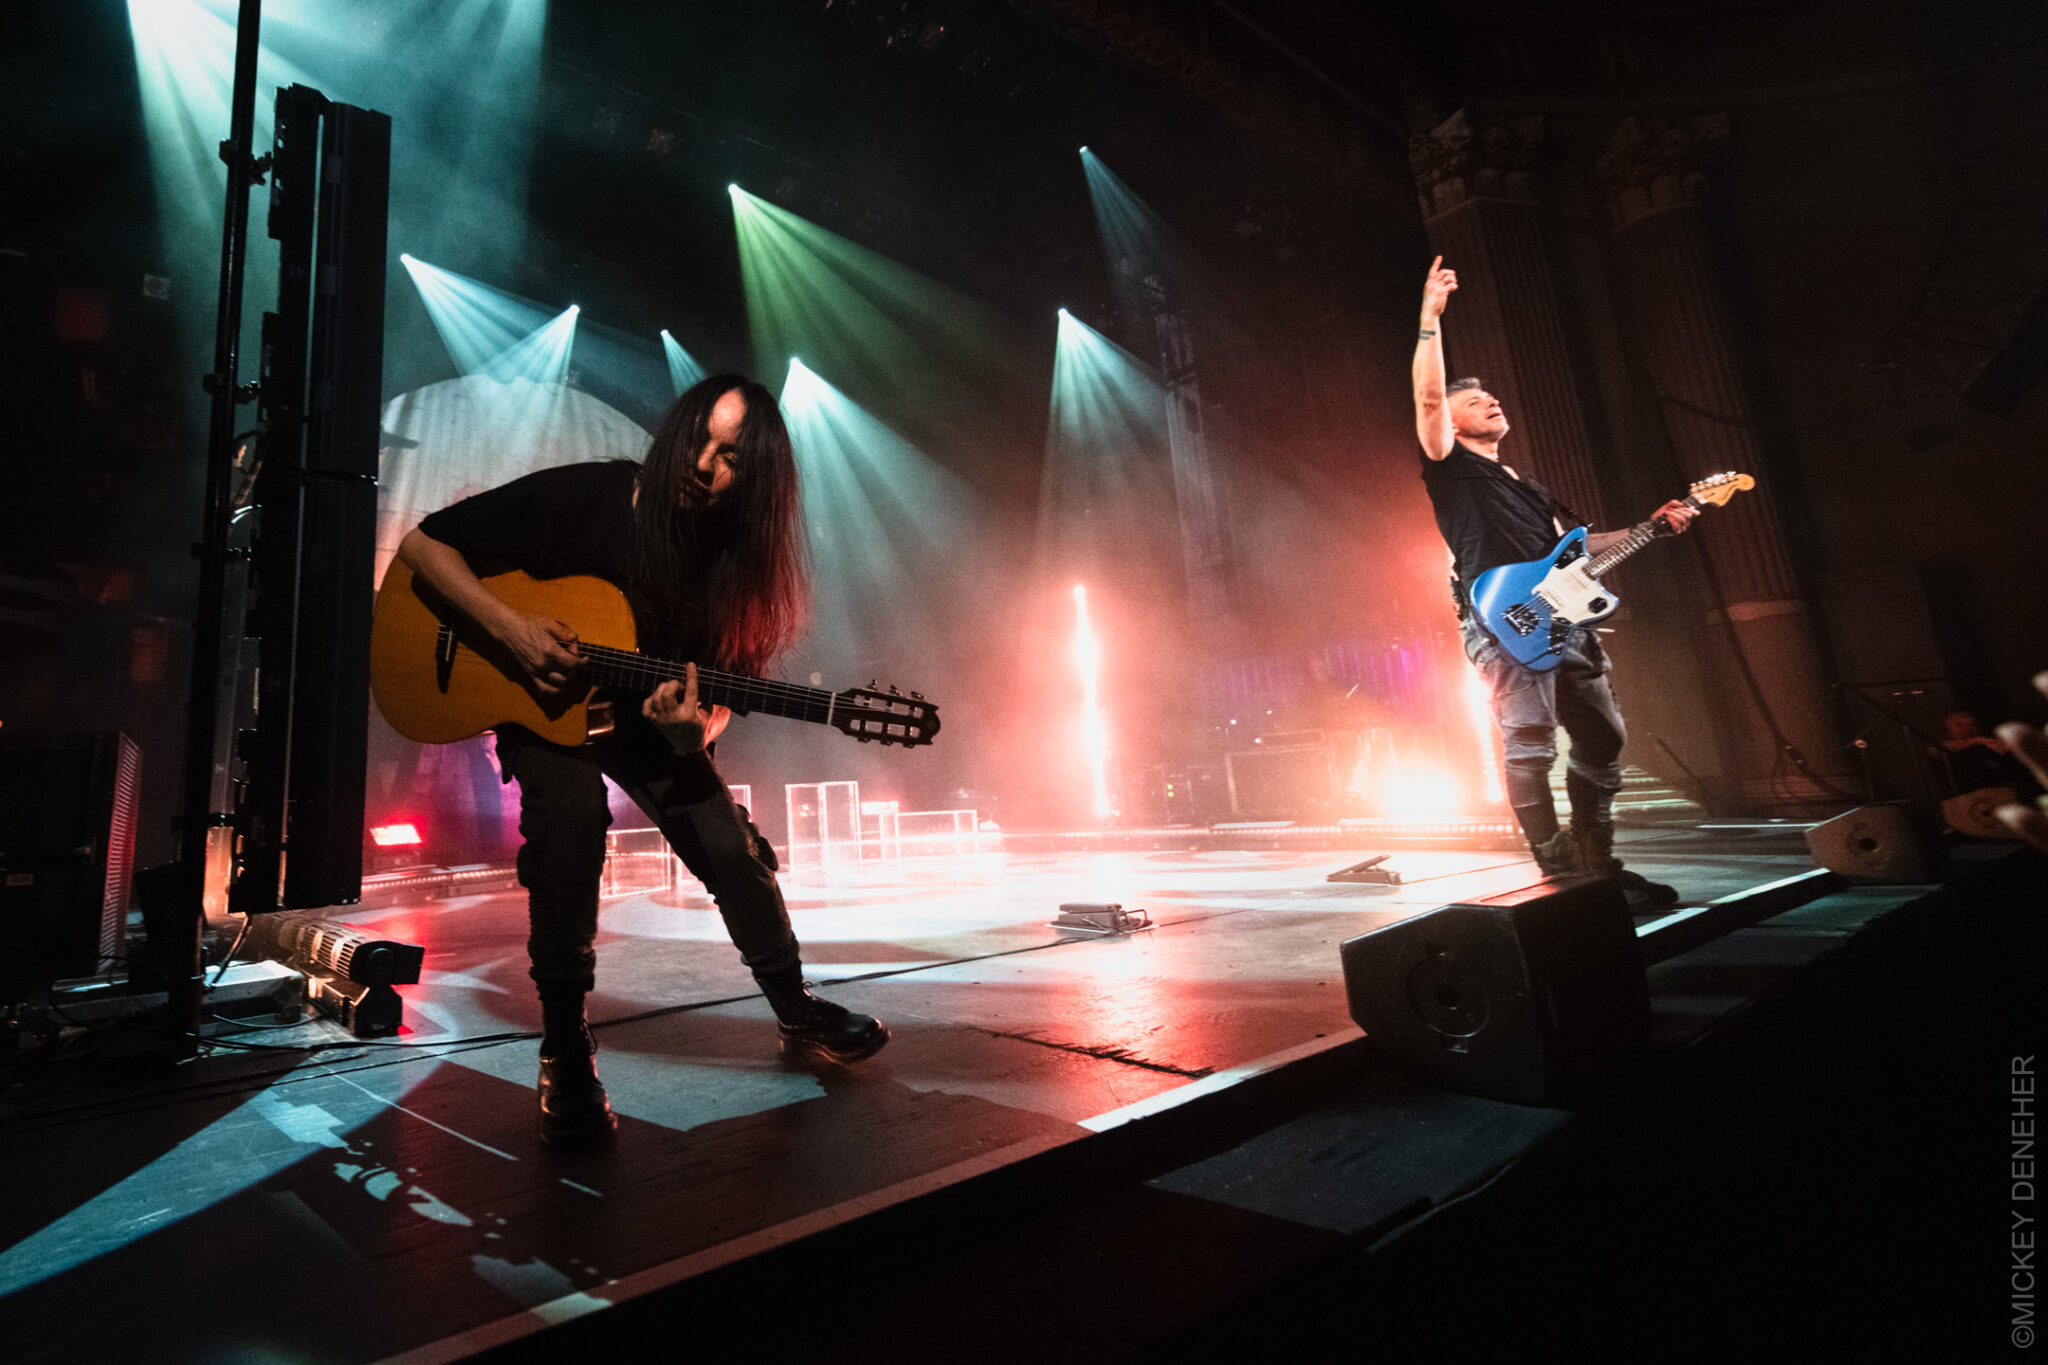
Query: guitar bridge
[1522, 618]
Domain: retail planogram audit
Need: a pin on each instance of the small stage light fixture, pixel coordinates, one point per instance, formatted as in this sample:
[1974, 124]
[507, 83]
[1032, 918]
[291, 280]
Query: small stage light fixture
[350, 972]
[1082, 917]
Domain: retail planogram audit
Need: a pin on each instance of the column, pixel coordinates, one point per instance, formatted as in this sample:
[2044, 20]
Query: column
[1503, 325]
[1655, 173]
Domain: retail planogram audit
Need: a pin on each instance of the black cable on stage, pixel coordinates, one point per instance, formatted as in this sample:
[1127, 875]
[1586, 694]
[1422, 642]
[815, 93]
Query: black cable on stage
[396, 1054]
[1785, 749]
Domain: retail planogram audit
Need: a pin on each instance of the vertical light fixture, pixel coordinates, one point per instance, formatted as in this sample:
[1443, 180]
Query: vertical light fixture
[1094, 729]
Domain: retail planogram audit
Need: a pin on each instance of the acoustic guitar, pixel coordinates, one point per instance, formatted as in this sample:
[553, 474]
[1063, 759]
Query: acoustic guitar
[438, 677]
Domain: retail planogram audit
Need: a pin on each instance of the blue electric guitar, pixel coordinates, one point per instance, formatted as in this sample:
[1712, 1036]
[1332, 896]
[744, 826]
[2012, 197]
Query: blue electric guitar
[1530, 608]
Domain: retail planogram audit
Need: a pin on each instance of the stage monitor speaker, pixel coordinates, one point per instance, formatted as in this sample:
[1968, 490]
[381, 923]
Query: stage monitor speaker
[1975, 813]
[67, 845]
[1898, 843]
[1536, 996]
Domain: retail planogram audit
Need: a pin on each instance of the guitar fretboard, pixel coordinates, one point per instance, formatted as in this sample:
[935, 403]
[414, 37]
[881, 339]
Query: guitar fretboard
[1639, 535]
[634, 672]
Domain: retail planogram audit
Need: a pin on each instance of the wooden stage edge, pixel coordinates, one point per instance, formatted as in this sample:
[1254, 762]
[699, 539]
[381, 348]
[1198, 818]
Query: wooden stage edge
[1167, 1120]
[464, 1345]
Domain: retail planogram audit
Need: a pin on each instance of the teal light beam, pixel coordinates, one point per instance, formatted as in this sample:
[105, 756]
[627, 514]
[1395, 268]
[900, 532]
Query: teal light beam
[1148, 261]
[886, 521]
[1105, 445]
[683, 369]
[476, 322]
[542, 357]
[185, 59]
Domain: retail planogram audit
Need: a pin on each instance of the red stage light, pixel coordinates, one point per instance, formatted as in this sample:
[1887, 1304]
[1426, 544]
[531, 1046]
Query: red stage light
[403, 834]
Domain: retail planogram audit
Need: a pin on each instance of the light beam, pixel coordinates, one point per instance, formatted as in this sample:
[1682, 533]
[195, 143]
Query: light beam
[1094, 728]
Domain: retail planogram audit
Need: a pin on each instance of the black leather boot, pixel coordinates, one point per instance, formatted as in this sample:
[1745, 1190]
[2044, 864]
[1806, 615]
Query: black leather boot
[1596, 851]
[573, 1105]
[1557, 856]
[811, 1025]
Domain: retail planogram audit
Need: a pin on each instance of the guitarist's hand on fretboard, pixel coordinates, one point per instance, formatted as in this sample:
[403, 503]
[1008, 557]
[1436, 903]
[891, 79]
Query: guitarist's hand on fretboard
[676, 712]
[1673, 517]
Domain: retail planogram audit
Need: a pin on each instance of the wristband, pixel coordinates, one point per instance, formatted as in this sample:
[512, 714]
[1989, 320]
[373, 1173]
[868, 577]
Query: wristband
[1424, 335]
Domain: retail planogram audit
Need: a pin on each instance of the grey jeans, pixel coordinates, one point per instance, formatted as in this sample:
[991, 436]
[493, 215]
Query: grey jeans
[1529, 706]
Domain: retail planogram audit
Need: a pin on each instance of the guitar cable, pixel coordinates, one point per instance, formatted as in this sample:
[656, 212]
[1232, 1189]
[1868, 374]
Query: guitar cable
[1786, 750]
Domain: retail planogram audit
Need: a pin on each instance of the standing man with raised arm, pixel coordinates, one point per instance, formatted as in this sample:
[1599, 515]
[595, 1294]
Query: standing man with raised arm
[1491, 515]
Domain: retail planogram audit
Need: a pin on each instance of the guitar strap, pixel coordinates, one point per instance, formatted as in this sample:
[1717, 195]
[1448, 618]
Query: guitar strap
[1460, 598]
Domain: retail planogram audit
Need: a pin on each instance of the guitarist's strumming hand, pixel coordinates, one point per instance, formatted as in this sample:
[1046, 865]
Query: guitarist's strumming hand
[546, 649]
[676, 712]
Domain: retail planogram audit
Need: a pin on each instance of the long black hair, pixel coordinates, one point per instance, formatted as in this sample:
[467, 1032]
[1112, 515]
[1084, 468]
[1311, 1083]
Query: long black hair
[730, 580]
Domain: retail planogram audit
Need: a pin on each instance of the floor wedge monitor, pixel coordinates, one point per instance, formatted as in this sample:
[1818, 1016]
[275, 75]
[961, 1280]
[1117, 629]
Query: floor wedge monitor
[1893, 844]
[1535, 996]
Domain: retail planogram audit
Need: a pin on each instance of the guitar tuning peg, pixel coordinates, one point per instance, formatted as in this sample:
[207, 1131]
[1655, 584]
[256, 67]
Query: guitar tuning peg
[917, 696]
[873, 683]
[893, 692]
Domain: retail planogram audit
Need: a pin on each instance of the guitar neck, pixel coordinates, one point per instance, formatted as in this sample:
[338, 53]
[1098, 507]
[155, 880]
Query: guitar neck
[1639, 535]
[624, 669]
[634, 672]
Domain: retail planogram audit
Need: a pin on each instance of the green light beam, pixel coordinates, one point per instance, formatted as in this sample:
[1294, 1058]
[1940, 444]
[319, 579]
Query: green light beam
[894, 336]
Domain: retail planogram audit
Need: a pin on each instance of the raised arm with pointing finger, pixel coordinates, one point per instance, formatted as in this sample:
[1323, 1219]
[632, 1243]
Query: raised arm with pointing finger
[1432, 412]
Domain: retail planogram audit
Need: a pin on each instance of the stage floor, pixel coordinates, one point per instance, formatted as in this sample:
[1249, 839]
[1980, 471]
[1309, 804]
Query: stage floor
[373, 1200]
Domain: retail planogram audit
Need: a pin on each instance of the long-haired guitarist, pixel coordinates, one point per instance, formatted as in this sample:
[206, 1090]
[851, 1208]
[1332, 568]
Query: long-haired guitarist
[1491, 515]
[706, 539]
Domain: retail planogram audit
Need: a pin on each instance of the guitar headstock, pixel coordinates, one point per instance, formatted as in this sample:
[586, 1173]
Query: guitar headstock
[1718, 488]
[885, 717]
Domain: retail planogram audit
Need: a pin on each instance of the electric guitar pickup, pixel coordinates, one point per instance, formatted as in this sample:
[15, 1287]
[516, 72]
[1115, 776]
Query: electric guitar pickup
[438, 678]
[1529, 609]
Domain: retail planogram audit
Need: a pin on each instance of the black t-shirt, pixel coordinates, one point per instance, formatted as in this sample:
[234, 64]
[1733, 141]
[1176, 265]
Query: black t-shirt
[572, 519]
[1488, 516]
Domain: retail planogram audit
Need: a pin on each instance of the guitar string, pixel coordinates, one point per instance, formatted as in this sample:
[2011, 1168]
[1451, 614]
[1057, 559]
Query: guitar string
[632, 667]
[640, 668]
[758, 693]
[1643, 532]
